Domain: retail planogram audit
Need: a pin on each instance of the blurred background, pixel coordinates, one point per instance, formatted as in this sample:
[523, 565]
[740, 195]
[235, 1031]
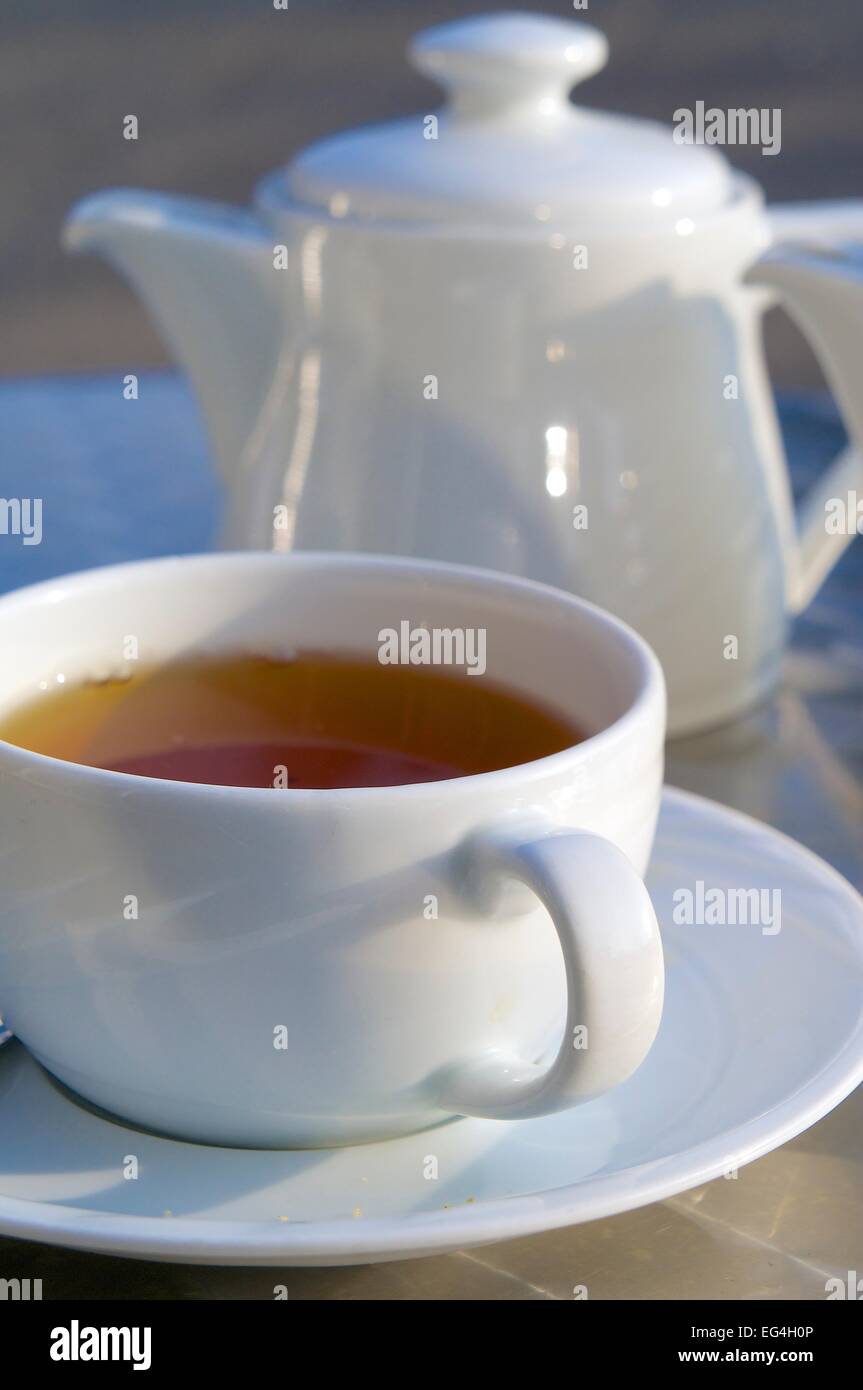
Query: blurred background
[225, 90]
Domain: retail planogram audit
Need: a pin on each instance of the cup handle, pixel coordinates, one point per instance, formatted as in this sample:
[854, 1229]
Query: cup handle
[612, 956]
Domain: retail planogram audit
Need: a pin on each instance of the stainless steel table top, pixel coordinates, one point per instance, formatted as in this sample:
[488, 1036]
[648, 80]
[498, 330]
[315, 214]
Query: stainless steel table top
[127, 479]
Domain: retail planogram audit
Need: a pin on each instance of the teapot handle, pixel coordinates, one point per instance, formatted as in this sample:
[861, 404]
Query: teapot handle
[815, 265]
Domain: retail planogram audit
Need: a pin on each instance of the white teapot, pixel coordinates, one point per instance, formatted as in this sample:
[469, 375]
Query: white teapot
[524, 335]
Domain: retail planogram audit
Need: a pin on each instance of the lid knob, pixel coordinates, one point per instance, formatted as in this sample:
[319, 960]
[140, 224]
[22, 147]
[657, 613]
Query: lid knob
[494, 62]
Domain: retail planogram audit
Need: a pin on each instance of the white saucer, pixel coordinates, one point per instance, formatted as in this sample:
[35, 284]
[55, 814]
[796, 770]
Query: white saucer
[762, 1035]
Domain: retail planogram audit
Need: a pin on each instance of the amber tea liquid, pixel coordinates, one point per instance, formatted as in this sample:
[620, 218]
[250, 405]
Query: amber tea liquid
[311, 721]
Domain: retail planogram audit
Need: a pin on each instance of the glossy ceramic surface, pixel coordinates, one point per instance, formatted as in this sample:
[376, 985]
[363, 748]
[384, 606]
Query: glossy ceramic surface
[527, 336]
[130, 483]
[306, 968]
[761, 1036]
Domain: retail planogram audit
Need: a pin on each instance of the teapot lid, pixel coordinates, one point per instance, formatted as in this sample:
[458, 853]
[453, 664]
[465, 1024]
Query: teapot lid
[509, 149]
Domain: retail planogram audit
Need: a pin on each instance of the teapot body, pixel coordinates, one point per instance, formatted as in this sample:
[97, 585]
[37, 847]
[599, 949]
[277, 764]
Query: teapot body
[523, 334]
[591, 415]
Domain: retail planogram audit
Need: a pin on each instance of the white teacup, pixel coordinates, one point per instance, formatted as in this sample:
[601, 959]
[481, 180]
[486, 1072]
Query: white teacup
[305, 968]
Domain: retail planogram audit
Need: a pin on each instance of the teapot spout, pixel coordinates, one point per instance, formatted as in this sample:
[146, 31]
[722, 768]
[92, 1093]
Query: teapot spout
[205, 273]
